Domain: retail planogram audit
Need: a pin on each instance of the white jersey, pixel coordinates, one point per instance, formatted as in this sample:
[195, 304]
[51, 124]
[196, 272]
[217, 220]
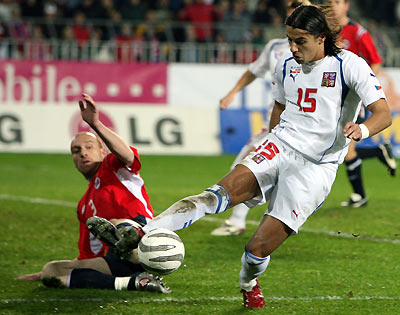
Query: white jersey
[320, 98]
[269, 57]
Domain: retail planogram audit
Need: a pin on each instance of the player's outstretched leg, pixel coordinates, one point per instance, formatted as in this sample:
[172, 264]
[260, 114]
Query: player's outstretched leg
[122, 238]
[147, 282]
[88, 278]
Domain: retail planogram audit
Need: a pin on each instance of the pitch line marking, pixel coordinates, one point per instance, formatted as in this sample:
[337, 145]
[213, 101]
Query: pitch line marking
[330, 233]
[204, 299]
[251, 222]
[39, 200]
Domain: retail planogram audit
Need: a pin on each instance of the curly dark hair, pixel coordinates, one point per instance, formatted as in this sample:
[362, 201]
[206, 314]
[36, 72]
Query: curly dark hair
[317, 20]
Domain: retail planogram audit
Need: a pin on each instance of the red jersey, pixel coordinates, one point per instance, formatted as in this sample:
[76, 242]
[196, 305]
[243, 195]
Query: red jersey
[116, 191]
[357, 39]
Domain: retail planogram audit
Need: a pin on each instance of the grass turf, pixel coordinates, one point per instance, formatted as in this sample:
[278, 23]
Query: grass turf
[312, 273]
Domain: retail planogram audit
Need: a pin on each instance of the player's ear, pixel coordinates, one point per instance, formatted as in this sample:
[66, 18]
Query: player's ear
[321, 39]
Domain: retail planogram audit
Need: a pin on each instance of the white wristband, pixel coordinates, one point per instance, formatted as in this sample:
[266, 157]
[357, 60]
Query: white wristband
[364, 131]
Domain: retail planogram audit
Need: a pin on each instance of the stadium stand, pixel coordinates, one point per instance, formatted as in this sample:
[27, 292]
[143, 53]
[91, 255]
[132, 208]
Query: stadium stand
[203, 31]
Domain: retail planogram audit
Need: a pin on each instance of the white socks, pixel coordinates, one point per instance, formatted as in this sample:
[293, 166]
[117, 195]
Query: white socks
[121, 283]
[252, 267]
[190, 209]
[239, 214]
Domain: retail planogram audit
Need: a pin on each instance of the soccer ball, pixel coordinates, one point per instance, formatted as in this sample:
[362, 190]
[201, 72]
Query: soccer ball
[161, 251]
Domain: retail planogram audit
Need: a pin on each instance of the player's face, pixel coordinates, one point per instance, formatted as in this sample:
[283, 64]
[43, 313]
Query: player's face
[340, 8]
[86, 154]
[304, 46]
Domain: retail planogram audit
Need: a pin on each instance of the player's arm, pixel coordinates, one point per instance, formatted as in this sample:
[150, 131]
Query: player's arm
[117, 145]
[276, 115]
[379, 120]
[376, 67]
[244, 80]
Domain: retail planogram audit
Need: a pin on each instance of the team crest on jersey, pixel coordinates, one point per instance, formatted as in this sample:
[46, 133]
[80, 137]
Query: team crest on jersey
[258, 158]
[294, 72]
[97, 183]
[328, 79]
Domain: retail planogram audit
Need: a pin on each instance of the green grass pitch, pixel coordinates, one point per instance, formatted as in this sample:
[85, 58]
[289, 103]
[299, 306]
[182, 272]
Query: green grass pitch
[344, 261]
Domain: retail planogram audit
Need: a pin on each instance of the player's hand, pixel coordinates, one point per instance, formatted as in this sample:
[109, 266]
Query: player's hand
[30, 277]
[89, 110]
[226, 101]
[352, 131]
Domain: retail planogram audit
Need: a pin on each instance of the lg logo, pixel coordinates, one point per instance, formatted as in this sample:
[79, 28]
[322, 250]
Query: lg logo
[10, 129]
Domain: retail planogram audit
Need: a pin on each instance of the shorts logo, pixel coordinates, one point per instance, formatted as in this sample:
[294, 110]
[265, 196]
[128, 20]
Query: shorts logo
[97, 183]
[258, 158]
[294, 72]
[295, 213]
[328, 79]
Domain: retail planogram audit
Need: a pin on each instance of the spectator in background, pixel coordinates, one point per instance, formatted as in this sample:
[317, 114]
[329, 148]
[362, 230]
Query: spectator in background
[202, 15]
[222, 54]
[129, 45]
[98, 49]
[81, 31]
[19, 30]
[37, 47]
[156, 36]
[189, 51]
[51, 27]
[68, 47]
[114, 27]
[237, 22]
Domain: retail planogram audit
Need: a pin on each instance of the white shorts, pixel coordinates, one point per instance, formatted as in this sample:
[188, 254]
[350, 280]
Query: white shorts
[296, 187]
[254, 142]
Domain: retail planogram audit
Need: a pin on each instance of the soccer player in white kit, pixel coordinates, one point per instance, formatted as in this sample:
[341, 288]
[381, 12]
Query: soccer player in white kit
[266, 61]
[315, 90]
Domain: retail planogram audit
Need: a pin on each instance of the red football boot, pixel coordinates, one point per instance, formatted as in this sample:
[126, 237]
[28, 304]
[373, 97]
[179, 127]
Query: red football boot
[253, 298]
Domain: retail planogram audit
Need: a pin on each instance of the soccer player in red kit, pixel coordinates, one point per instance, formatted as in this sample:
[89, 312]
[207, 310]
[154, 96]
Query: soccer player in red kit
[357, 39]
[116, 191]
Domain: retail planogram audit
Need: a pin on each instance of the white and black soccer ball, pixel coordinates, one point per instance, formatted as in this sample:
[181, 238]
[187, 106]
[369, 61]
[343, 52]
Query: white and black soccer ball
[161, 251]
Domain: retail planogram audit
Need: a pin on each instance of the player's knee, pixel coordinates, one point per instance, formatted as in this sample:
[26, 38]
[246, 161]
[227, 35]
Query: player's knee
[49, 270]
[217, 194]
[256, 249]
[252, 259]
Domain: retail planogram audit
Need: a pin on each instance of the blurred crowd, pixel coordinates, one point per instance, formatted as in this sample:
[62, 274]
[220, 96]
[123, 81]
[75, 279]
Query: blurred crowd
[149, 30]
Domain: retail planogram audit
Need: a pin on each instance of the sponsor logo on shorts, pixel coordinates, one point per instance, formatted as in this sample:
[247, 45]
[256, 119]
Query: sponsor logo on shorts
[258, 158]
[295, 213]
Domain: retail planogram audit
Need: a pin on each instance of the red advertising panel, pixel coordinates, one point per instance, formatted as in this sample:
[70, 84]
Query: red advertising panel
[53, 82]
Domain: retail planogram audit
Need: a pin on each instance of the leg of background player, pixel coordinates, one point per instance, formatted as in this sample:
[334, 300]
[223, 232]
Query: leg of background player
[353, 164]
[383, 152]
